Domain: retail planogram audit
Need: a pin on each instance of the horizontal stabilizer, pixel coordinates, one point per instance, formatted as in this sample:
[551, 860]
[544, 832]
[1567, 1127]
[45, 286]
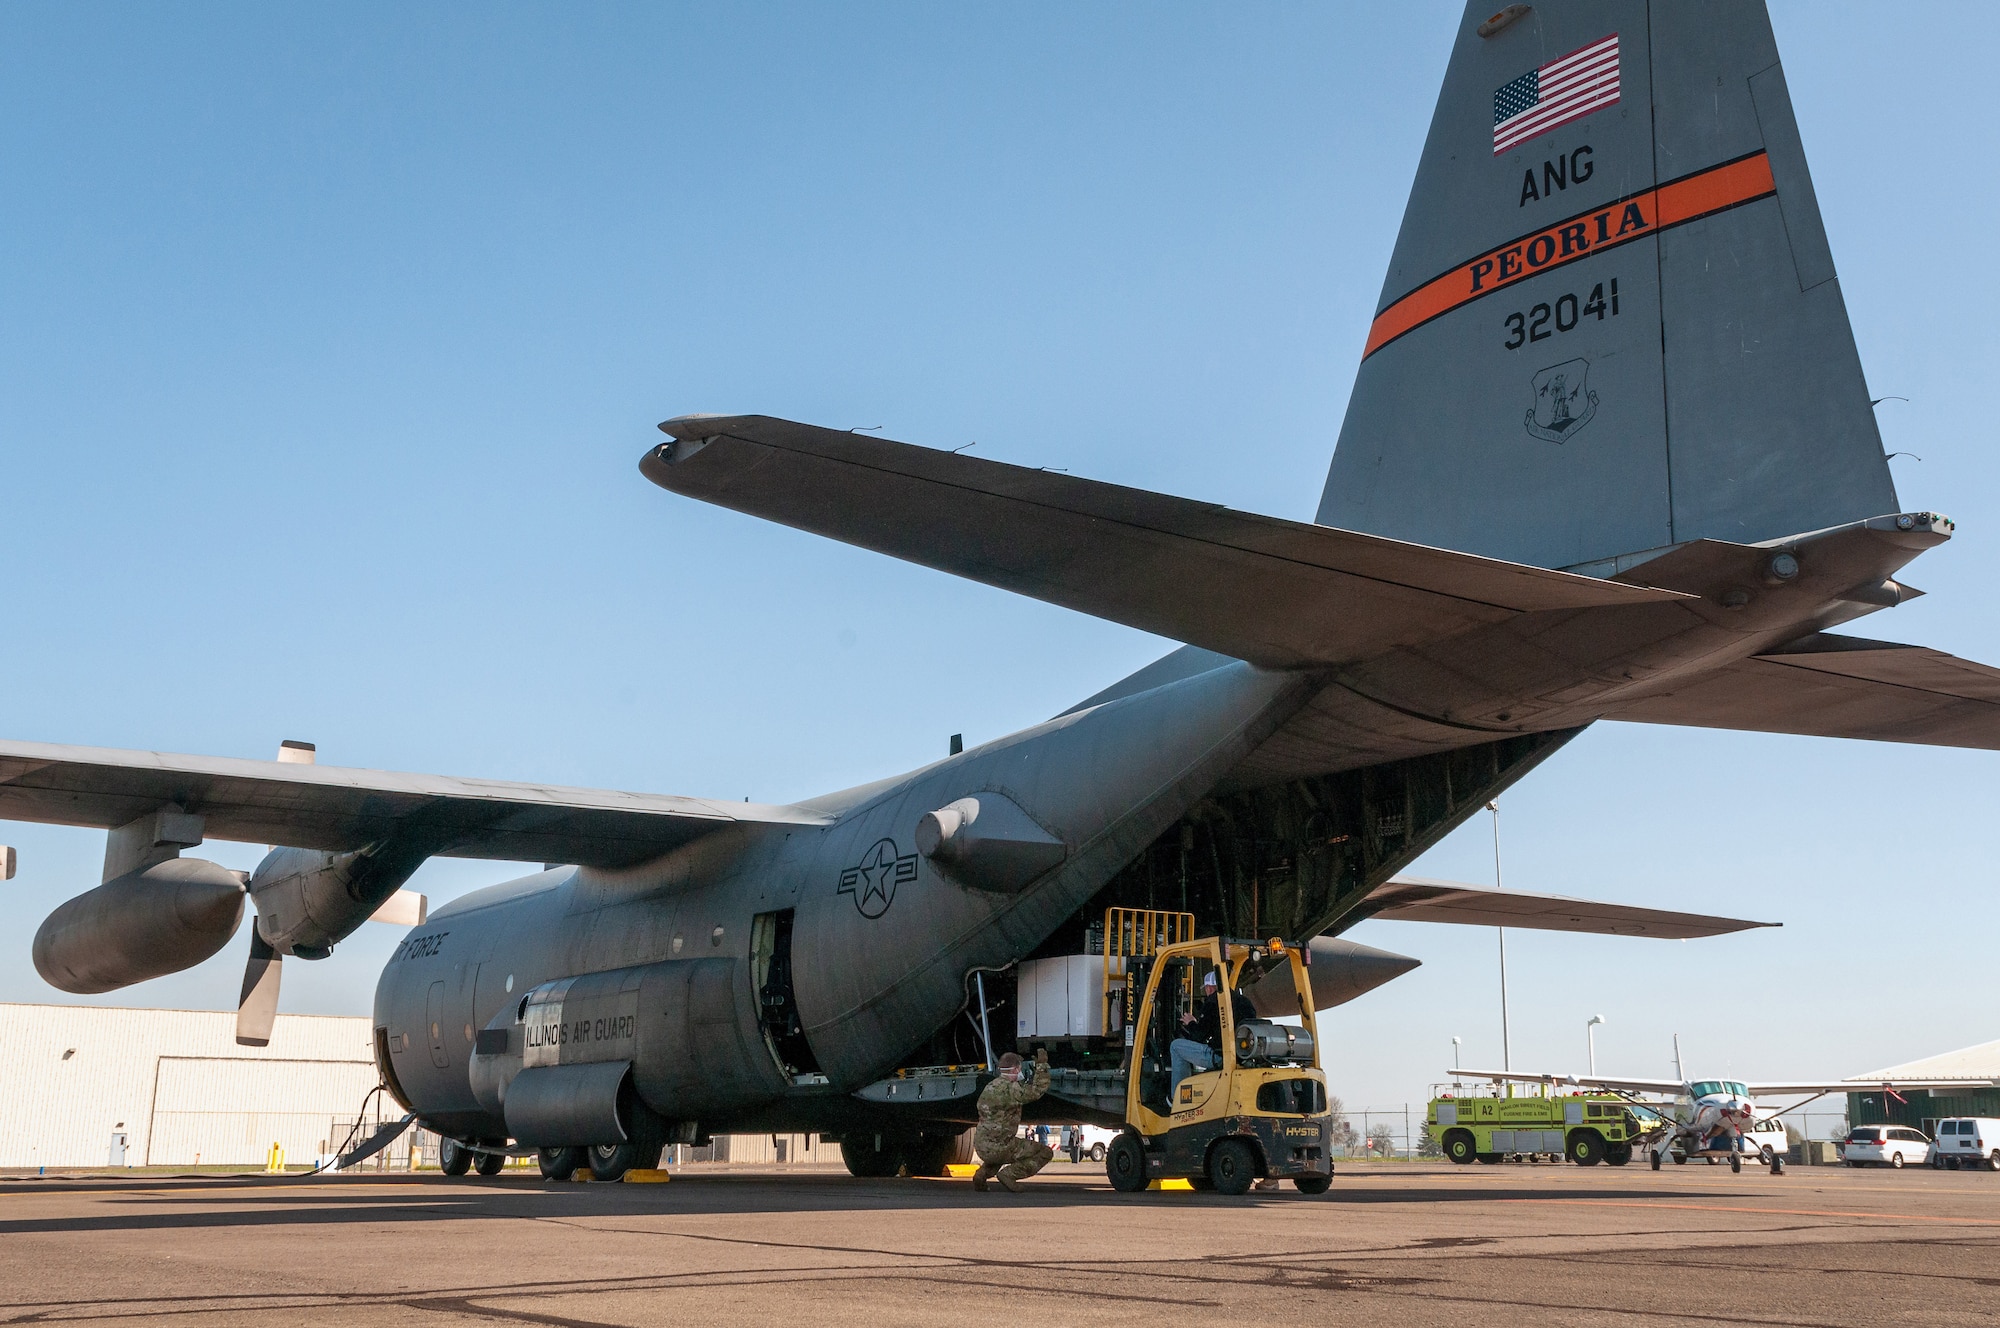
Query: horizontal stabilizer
[336, 809]
[1831, 686]
[1281, 594]
[1416, 899]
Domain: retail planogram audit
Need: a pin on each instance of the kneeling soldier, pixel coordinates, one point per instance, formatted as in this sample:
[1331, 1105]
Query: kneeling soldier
[998, 1139]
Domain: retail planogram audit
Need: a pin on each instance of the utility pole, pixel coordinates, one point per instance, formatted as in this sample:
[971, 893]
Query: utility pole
[1506, 1043]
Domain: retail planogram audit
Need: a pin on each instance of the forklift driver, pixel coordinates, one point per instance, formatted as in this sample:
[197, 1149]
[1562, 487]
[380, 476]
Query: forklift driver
[1199, 1047]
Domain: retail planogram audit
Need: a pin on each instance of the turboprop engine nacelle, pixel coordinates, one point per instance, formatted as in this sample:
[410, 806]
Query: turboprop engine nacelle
[308, 899]
[144, 924]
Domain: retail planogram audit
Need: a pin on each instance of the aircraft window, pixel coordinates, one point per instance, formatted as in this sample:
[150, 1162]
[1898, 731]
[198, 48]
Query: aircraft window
[1707, 1088]
[1731, 1086]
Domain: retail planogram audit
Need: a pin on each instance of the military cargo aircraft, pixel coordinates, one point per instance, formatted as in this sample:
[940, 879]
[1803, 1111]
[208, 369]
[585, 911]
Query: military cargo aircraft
[1609, 455]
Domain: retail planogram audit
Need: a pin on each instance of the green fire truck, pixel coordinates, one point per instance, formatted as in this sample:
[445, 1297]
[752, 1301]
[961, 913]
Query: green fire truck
[1586, 1128]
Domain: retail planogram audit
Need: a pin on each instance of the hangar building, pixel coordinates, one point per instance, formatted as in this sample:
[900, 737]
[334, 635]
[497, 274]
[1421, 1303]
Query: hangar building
[172, 1086]
[1923, 1110]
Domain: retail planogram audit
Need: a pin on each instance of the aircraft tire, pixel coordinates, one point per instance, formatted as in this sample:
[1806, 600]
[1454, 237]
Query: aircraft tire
[1312, 1184]
[1656, 1161]
[868, 1161]
[1460, 1146]
[559, 1163]
[1125, 1163]
[1736, 1161]
[610, 1162]
[489, 1164]
[454, 1158]
[927, 1155]
[1233, 1167]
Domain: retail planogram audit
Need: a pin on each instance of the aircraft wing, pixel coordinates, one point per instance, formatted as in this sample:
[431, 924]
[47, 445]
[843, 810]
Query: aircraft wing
[1419, 899]
[1862, 1086]
[1282, 594]
[327, 807]
[1772, 1089]
[1604, 1081]
[1831, 686]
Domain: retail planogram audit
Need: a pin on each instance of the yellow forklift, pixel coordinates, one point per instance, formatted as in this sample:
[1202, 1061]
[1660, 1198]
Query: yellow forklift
[1260, 1113]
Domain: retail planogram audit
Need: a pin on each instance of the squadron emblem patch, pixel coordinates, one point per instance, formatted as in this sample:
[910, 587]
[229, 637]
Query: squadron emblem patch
[1563, 401]
[874, 879]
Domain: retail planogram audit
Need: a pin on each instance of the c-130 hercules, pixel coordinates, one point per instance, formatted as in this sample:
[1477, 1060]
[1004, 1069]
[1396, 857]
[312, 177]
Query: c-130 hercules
[1609, 454]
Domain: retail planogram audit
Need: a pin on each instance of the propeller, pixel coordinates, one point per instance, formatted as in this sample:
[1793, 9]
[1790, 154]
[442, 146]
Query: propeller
[257, 1007]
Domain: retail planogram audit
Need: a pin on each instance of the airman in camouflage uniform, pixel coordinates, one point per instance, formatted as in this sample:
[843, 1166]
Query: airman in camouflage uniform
[998, 1139]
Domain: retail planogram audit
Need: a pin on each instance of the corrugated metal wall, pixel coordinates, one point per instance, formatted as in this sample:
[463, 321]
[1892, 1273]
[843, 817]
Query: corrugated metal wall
[174, 1082]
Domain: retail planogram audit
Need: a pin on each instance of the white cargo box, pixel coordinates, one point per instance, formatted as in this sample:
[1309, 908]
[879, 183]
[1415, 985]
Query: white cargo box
[1063, 997]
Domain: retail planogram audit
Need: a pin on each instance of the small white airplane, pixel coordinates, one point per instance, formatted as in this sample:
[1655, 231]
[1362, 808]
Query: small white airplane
[1710, 1115]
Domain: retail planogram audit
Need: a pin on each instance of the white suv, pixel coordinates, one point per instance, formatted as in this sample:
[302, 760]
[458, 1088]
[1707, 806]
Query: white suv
[1967, 1141]
[1885, 1145]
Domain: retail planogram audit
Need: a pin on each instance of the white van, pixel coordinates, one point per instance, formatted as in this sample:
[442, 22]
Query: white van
[1766, 1139]
[1967, 1141]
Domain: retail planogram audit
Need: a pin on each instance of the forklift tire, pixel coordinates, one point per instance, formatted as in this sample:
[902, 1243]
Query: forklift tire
[1460, 1146]
[559, 1163]
[489, 1164]
[1312, 1184]
[1232, 1165]
[1125, 1163]
[454, 1158]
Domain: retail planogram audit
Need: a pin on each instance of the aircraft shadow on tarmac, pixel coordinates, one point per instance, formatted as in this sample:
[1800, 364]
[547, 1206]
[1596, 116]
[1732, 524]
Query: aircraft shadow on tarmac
[195, 1204]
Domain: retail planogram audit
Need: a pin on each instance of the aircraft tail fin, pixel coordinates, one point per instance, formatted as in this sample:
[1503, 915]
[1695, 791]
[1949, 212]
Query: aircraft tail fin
[1611, 322]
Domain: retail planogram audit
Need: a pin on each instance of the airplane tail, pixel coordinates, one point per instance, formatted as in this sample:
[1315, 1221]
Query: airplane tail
[1611, 321]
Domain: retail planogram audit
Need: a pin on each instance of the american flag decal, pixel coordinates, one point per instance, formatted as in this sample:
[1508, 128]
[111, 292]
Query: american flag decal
[1567, 88]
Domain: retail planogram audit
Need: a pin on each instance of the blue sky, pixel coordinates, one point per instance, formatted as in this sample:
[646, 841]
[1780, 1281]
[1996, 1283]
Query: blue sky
[331, 337]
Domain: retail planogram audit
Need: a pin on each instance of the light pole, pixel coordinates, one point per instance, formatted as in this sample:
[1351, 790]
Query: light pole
[1454, 1056]
[1590, 1037]
[1506, 1044]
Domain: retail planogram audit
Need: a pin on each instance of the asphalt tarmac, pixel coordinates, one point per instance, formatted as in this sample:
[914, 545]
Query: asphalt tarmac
[1390, 1244]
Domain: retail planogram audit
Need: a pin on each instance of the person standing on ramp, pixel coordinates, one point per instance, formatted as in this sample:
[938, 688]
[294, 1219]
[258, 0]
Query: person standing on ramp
[998, 1140]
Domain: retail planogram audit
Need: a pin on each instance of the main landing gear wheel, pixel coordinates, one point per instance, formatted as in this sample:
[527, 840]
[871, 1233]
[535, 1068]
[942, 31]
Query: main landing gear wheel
[1125, 1164]
[610, 1162]
[454, 1158]
[559, 1163]
[871, 1156]
[1461, 1147]
[489, 1164]
[1656, 1161]
[1233, 1167]
[1312, 1184]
